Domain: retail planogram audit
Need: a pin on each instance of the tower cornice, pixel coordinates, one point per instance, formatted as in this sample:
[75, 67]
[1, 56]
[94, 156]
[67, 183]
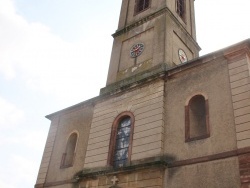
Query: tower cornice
[150, 17]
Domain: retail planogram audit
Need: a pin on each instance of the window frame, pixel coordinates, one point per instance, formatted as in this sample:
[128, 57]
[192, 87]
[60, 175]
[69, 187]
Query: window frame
[63, 165]
[188, 138]
[112, 144]
[181, 14]
[136, 9]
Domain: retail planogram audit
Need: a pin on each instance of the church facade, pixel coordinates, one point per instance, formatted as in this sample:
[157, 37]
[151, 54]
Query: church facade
[167, 118]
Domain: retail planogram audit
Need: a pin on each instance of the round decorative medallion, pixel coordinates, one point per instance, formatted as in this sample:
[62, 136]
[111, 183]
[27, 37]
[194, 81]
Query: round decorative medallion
[136, 50]
[182, 56]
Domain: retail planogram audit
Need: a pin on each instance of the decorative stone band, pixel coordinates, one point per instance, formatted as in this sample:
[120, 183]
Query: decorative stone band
[224, 155]
[166, 161]
[162, 162]
[154, 73]
[154, 162]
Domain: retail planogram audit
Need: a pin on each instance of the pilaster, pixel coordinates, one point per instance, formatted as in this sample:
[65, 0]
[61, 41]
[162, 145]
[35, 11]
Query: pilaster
[239, 76]
[41, 179]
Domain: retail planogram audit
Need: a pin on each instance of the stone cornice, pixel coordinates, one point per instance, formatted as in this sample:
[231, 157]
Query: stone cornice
[143, 77]
[84, 104]
[153, 162]
[238, 50]
[161, 71]
[161, 162]
[139, 22]
[150, 17]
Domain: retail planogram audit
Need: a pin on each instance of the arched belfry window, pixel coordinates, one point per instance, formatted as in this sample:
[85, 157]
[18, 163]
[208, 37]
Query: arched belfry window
[180, 8]
[141, 5]
[197, 119]
[120, 147]
[69, 155]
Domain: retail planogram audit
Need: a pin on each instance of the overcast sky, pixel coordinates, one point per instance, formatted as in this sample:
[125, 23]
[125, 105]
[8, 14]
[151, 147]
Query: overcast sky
[55, 53]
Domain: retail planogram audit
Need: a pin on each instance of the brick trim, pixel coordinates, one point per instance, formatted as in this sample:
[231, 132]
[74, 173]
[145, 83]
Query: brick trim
[228, 154]
[244, 167]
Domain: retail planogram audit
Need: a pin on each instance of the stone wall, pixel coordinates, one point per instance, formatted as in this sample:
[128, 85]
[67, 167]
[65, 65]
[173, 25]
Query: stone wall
[75, 121]
[211, 80]
[143, 178]
[214, 174]
[146, 103]
[64, 123]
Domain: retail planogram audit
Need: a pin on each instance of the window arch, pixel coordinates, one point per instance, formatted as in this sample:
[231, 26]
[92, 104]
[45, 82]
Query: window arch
[120, 147]
[69, 155]
[196, 119]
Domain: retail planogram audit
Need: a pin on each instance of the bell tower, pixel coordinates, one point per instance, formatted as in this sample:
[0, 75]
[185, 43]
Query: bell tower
[151, 33]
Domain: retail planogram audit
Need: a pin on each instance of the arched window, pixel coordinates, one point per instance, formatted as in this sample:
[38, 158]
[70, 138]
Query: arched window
[69, 155]
[121, 140]
[196, 115]
[141, 5]
[180, 8]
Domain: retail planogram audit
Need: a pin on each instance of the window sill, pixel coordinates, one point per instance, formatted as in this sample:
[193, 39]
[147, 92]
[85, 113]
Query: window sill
[197, 138]
[66, 166]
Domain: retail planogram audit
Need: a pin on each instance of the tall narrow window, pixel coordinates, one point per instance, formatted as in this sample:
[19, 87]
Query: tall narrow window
[141, 5]
[121, 140]
[180, 8]
[197, 126]
[69, 155]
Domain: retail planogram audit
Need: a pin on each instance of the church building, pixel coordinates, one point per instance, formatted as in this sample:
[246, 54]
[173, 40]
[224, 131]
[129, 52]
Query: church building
[166, 118]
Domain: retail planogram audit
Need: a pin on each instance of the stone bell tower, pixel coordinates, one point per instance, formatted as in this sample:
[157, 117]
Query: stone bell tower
[166, 118]
[150, 33]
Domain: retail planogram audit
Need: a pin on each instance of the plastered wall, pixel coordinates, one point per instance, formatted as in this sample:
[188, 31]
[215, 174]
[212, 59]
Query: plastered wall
[76, 121]
[211, 80]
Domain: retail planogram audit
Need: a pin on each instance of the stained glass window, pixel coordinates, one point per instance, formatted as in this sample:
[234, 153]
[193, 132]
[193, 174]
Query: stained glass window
[122, 142]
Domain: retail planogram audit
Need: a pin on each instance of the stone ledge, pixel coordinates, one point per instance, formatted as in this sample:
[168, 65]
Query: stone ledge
[148, 75]
[153, 162]
[147, 18]
[161, 71]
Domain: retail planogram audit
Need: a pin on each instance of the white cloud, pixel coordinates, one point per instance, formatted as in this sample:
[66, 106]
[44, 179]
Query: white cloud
[21, 158]
[47, 63]
[221, 23]
[6, 184]
[32, 140]
[24, 167]
[10, 114]
[17, 171]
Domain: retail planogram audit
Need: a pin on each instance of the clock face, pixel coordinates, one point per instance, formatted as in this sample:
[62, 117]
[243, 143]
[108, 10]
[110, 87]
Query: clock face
[136, 50]
[182, 56]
